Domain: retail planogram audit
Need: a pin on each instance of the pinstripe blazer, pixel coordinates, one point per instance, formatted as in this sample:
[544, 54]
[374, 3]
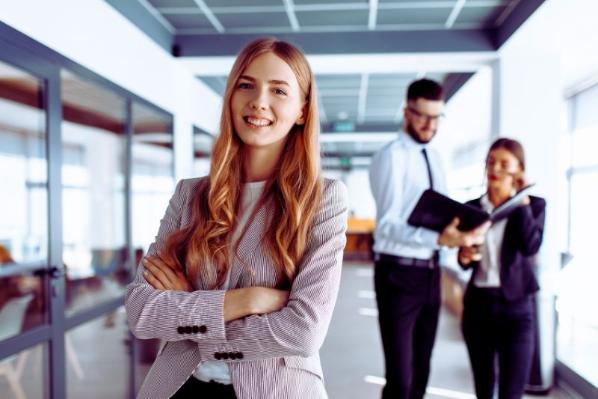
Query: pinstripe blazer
[273, 355]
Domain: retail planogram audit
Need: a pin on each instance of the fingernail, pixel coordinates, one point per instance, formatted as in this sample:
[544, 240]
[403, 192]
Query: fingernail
[145, 272]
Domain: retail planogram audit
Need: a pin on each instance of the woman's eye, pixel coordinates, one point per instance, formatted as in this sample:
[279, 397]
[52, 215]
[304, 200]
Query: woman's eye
[244, 85]
[280, 92]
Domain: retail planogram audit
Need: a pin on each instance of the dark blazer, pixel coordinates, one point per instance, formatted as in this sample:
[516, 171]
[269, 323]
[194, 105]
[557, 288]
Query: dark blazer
[522, 240]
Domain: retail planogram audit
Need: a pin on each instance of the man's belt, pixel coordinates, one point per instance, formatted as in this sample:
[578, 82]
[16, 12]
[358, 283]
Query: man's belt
[406, 261]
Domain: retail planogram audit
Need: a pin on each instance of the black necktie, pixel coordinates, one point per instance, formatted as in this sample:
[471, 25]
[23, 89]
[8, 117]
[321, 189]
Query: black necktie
[429, 169]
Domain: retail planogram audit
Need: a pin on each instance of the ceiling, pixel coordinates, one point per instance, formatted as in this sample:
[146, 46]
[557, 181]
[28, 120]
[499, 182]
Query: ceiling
[350, 102]
[361, 95]
[257, 16]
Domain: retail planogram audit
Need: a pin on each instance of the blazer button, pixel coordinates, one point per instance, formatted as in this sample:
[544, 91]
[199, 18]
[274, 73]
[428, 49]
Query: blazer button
[225, 355]
[188, 329]
[203, 329]
[195, 329]
[180, 330]
[217, 356]
[239, 355]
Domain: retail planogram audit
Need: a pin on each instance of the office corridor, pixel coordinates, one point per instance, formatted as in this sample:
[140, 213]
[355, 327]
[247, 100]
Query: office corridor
[352, 353]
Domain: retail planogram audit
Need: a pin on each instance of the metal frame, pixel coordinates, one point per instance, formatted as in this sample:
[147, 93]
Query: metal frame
[46, 64]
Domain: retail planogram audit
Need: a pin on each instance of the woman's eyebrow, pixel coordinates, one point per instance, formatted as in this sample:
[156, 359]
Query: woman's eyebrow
[273, 81]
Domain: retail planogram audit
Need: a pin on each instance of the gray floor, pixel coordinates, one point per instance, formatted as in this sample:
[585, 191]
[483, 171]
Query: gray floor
[352, 353]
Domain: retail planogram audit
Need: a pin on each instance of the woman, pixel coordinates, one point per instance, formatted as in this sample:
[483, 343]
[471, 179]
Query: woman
[243, 277]
[498, 313]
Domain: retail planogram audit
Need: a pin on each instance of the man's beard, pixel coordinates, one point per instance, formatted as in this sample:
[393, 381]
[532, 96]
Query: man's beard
[413, 133]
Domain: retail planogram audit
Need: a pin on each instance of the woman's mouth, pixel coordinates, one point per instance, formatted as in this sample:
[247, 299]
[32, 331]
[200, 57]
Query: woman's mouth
[257, 122]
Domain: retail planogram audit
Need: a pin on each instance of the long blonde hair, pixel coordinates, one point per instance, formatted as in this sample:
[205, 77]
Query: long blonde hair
[293, 193]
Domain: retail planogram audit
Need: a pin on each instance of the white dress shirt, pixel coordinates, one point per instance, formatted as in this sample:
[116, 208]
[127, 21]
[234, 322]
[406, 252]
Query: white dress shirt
[214, 370]
[398, 177]
[488, 274]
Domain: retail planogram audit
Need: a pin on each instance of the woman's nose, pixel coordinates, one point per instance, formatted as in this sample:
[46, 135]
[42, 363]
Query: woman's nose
[259, 101]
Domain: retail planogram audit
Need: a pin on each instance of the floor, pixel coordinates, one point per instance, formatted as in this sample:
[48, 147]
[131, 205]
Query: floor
[351, 355]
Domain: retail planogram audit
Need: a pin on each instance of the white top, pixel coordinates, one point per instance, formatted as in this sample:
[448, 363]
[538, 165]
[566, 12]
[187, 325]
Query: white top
[214, 370]
[488, 273]
[398, 177]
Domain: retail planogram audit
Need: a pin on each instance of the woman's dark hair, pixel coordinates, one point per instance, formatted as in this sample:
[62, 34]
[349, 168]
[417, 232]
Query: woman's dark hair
[425, 88]
[513, 146]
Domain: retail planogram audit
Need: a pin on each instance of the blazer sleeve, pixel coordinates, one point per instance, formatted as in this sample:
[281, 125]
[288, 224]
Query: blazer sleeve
[475, 263]
[528, 226]
[299, 328]
[161, 314]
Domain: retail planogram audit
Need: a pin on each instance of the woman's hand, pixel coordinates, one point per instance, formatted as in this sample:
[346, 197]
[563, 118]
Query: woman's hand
[267, 300]
[163, 276]
[242, 302]
[520, 182]
[469, 254]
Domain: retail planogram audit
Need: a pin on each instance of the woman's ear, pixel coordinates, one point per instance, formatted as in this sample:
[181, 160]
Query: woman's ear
[302, 116]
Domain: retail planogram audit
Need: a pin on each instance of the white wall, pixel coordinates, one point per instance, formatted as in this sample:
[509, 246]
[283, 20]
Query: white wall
[464, 136]
[93, 34]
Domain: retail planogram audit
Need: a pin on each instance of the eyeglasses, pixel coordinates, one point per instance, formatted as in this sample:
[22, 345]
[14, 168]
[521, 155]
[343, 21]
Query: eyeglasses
[424, 117]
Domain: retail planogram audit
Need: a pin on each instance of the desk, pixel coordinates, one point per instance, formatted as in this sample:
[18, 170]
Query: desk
[360, 239]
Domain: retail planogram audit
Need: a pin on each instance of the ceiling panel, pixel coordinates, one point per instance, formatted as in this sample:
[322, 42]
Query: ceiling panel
[301, 2]
[437, 16]
[173, 3]
[242, 3]
[249, 20]
[188, 21]
[216, 83]
[485, 16]
[339, 95]
[330, 18]
[415, 2]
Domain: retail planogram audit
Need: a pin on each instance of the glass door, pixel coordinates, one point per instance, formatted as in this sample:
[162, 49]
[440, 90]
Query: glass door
[29, 280]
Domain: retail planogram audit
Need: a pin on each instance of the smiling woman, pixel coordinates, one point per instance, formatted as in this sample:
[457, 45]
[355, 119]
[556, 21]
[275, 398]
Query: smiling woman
[243, 276]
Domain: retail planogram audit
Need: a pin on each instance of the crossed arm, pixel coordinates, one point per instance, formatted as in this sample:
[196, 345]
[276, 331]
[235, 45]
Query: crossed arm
[238, 303]
[256, 321]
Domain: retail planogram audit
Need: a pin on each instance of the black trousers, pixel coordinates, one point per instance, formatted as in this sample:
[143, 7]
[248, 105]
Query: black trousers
[196, 389]
[408, 306]
[496, 329]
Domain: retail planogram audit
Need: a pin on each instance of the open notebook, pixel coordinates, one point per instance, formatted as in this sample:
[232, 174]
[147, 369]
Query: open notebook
[435, 211]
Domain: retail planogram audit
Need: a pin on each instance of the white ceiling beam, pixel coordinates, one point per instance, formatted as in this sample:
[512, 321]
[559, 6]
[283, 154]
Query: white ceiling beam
[156, 14]
[290, 9]
[363, 95]
[210, 15]
[450, 21]
[373, 17]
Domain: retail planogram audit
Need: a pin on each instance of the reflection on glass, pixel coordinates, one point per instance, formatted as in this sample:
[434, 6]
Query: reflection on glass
[23, 201]
[152, 181]
[22, 303]
[23, 169]
[93, 197]
[203, 142]
[21, 375]
[97, 358]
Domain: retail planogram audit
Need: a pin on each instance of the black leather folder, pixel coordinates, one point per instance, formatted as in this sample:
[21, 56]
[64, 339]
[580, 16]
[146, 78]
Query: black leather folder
[435, 211]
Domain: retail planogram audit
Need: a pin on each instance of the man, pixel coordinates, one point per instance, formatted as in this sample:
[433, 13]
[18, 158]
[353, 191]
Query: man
[407, 276]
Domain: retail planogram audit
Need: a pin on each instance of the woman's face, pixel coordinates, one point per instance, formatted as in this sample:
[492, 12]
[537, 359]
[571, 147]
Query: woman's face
[266, 103]
[503, 169]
